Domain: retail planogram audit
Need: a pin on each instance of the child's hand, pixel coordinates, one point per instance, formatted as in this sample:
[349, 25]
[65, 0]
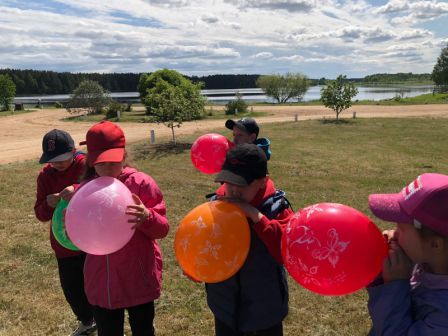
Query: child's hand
[67, 193]
[397, 265]
[248, 209]
[53, 199]
[138, 210]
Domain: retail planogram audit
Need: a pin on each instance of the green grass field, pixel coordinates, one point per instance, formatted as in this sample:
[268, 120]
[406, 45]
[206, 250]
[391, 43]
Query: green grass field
[313, 161]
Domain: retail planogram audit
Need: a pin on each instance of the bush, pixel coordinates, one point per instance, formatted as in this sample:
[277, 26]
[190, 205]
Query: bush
[237, 105]
[58, 105]
[113, 108]
[128, 108]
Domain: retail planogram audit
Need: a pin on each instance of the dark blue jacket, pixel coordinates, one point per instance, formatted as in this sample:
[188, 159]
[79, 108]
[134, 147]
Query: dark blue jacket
[256, 297]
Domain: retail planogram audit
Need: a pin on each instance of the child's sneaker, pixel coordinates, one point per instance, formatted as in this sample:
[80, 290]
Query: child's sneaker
[84, 330]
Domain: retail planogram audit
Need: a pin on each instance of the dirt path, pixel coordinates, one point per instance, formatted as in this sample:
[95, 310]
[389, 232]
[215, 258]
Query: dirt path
[21, 134]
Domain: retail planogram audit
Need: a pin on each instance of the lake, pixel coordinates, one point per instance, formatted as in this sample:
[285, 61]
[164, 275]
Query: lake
[255, 94]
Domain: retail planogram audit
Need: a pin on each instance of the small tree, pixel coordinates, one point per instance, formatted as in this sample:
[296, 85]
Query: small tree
[237, 104]
[440, 72]
[171, 98]
[282, 88]
[7, 92]
[174, 107]
[90, 97]
[338, 95]
[150, 86]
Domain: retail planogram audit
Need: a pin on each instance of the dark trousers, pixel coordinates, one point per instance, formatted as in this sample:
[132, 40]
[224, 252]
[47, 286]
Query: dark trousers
[221, 329]
[110, 322]
[71, 275]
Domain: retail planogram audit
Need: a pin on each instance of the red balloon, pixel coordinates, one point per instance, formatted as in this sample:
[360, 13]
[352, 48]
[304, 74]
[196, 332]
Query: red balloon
[208, 152]
[333, 249]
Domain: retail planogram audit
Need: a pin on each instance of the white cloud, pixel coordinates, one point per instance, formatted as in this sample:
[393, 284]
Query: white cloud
[262, 55]
[210, 18]
[287, 5]
[316, 37]
[413, 11]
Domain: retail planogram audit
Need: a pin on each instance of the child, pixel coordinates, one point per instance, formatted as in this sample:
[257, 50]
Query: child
[246, 130]
[129, 278]
[255, 300]
[412, 296]
[55, 181]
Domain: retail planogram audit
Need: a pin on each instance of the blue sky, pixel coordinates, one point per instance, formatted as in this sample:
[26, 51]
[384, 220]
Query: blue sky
[319, 38]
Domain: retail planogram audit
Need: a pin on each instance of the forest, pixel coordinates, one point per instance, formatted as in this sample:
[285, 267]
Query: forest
[35, 82]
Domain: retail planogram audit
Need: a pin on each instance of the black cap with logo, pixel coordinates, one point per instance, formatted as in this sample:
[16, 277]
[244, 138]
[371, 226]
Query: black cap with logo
[247, 125]
[244, 164]
[57, 145]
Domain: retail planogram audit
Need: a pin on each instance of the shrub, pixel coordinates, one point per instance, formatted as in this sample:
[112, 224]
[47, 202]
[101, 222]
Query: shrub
[237, 105]
[113, 108]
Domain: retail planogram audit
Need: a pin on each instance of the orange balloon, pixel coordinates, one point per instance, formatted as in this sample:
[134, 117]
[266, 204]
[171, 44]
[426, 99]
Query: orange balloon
[212, 241]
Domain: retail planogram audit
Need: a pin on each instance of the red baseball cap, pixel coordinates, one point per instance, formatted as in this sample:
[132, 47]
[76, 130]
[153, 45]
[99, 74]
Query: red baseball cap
[423, 202]
[105, 143]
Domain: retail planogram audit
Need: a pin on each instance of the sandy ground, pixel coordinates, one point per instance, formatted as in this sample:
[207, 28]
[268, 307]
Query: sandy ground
[21, 134]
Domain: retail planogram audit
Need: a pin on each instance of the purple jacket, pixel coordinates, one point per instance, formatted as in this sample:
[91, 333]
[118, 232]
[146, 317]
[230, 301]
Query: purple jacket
[132, 275]
[413, 308]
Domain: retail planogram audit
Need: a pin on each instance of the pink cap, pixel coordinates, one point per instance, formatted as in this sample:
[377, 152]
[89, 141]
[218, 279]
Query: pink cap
[423, 202]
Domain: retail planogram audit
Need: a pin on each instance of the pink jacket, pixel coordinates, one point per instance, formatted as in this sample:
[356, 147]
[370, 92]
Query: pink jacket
[132, 275]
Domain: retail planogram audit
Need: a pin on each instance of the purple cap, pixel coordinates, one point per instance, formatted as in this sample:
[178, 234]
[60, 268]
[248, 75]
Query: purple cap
[423, 202]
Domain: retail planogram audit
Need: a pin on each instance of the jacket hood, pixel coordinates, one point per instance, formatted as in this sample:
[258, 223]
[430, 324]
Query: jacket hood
[126, 172]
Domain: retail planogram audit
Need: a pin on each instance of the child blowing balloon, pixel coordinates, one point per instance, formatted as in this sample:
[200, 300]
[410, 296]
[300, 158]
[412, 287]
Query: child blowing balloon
[255, 300]
[57, 180]
[129, 278]
[412, 296]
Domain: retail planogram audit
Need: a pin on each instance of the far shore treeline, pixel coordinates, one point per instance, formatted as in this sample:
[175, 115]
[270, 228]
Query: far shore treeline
[50, 82]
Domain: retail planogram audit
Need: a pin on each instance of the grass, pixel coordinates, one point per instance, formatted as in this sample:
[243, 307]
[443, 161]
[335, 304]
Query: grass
[8, 113]
[313, 161]
[428, 98]
[138, 115]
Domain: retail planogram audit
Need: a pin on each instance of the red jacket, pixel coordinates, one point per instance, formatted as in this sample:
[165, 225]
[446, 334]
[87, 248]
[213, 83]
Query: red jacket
[51, 181]
[132, 275]
[268, 230]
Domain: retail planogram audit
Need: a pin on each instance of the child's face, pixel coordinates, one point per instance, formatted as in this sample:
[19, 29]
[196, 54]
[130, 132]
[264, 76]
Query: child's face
[411, 242]
[112, 169]
[62, 165]
[245, 194]
[240, 137]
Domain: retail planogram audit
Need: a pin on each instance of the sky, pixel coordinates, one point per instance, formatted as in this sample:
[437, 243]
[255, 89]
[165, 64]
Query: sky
[319, 38]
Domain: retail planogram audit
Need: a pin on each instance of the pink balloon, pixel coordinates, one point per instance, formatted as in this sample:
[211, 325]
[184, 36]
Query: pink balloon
[95, 220]
[333, 249]
[208, 152]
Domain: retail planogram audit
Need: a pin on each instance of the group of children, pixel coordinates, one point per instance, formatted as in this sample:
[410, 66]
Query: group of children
[409, 297]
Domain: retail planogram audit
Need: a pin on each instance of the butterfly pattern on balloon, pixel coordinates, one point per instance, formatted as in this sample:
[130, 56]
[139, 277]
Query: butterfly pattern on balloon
[106, 197]
[211, 249]
[200, 225]
[185, 243]
[232, 264]
[332, 248]
[106, 201]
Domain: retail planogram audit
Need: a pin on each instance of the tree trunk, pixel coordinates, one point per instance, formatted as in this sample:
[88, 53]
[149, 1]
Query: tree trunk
[172, 131]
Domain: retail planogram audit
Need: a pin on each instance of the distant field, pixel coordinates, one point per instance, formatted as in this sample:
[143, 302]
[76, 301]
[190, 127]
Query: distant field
[313, 161]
